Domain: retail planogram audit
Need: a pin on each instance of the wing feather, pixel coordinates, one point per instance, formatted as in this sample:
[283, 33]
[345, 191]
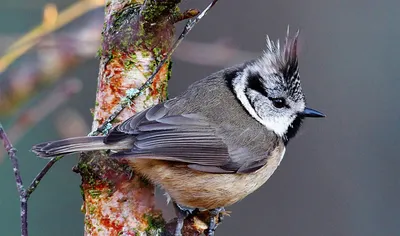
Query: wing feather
[188, 138]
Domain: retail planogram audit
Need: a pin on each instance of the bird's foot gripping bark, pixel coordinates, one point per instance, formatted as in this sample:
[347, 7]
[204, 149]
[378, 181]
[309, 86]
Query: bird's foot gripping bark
[182, 212]
[214, 218]
[215, 213]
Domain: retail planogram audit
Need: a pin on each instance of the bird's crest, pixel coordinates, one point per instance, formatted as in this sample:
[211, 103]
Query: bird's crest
[284, 61]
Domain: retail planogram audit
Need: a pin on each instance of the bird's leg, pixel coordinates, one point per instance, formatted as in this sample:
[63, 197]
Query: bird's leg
[213, 225]
[181, 212]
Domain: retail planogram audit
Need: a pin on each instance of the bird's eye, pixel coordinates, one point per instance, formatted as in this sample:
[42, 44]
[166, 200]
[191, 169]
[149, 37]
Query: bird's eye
[278, 102]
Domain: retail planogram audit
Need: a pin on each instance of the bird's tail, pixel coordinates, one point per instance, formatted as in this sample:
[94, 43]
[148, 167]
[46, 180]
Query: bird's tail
[78, 144]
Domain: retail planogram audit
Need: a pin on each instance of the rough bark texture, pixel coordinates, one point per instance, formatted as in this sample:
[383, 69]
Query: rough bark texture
[135, 37]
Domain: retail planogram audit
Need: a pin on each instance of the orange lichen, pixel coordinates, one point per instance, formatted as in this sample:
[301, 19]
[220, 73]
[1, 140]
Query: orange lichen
[158, 84]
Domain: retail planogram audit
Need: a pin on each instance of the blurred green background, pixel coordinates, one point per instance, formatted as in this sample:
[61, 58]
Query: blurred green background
[340, 176]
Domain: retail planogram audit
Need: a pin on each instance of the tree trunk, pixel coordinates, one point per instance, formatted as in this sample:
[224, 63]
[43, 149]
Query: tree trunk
[136, 34]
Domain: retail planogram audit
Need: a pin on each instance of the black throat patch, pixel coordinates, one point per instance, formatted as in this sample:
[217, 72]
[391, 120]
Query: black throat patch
[293, 129]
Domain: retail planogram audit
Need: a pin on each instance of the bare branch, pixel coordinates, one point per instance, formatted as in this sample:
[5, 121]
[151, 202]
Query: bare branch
[24, 194]
[36, 181]
[12, 153]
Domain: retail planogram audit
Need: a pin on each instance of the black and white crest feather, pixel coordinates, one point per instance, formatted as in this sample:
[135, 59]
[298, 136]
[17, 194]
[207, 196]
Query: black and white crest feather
[283, 60]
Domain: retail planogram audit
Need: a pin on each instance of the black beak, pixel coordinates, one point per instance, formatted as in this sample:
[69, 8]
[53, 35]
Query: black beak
[308, 112]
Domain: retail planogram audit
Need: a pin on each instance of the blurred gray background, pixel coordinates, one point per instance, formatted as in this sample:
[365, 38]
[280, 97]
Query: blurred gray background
[340, 175]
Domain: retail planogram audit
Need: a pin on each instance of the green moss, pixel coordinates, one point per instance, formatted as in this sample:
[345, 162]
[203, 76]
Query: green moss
[94, 193]
[157, 54]
[86, 173]
[157, 51]
[169, 70]
[110, 192]
[92, 209]
[158, 9]
[126, 32]
[155, 223]
[152, 67]
[99, 52]
[82, 191]
[165, 82]
[128, 64]
[138, 42]
[124, 43]
[145, 53]
[152, 12]
[88, 224]
[116, 121]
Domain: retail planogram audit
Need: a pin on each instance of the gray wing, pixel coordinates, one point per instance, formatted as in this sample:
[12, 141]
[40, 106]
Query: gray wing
[187, 138]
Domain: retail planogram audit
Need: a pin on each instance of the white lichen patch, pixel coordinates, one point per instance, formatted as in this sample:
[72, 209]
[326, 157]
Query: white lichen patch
[117, 210]
[137, 75]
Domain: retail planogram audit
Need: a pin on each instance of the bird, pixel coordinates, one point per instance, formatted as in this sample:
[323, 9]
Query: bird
[218, 141]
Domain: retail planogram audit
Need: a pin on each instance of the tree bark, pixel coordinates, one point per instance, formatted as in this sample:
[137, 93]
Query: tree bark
[135, 36]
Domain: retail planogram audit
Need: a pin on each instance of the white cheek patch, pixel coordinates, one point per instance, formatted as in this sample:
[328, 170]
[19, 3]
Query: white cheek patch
[277, 125]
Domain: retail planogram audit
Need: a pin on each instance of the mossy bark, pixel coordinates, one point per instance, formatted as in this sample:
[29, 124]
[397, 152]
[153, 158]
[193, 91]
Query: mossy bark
[134, 40]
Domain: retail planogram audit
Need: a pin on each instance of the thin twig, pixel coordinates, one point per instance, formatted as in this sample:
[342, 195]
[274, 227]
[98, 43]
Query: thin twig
[12, 153]
[39, 177]
[130, 97]
[24, 194]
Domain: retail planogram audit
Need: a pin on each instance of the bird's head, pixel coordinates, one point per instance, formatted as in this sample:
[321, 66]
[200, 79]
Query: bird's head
[270, 90]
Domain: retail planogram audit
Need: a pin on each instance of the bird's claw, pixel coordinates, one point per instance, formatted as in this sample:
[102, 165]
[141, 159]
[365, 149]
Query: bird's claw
[215, 213]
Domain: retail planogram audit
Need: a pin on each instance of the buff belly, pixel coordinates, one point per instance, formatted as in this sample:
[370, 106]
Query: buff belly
[196, 189]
